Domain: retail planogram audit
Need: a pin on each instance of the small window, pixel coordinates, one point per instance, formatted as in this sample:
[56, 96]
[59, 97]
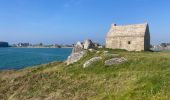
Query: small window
[129, 42]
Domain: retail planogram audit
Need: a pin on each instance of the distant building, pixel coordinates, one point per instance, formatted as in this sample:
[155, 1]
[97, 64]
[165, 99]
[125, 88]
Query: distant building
[4, 44]
[130, 37]
[165, 44]
[41, 44]
[23, 44]
[161, 47]
[56, 46]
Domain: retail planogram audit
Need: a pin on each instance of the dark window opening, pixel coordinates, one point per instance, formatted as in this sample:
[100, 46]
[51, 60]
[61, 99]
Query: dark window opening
[129, 42]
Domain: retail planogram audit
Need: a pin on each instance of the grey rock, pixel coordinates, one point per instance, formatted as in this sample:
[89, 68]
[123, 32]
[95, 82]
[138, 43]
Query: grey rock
[115, 61]
[100, 47]
[78, 47]
[74, 57]
[92, 50]
[88, 44]
[106, 52]
[97, 52]
[79, 51]
[92, 60]
[96, 45]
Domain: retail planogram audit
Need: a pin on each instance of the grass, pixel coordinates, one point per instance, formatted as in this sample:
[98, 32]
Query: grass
[145, 76]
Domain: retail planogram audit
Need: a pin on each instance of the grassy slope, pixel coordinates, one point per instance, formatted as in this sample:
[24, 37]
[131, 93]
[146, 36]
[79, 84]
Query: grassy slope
[146, 75]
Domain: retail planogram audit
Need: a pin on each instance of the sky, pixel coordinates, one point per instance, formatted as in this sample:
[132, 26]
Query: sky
[69, 21]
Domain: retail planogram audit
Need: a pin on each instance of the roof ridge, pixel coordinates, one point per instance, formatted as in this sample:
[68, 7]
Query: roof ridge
[131, 24]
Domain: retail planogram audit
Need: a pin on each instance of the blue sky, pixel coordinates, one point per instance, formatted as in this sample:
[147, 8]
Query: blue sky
[67, 21]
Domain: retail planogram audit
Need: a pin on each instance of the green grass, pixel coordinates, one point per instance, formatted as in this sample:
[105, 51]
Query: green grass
[145, 76]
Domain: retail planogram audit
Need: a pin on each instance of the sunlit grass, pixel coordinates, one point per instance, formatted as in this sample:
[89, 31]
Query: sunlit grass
[145, 76]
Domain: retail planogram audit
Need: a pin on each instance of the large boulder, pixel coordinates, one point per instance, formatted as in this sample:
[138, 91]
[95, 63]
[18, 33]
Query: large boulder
[88, 44]
[80, 50]
[78, 47]
[77, 53]
[92, 60]
[114, 61]
[74, 57]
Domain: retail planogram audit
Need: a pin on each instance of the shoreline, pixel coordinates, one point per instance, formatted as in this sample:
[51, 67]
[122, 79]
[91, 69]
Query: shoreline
[34, 66]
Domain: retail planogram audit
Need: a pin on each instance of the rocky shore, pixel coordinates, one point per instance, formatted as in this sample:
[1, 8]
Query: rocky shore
[81, 49]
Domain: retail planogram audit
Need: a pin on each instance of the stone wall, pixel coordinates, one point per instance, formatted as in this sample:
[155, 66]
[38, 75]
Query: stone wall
[128, 43]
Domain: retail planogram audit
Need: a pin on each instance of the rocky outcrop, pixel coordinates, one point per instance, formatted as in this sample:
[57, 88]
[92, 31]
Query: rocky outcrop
[91, 61]
[74, 57]
[114, 61]
[80, 50]
[77, 53]
[88, 44]
[78, 47]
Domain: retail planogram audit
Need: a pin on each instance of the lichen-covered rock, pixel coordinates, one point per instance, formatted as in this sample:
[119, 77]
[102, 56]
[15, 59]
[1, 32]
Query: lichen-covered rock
[92, 60]
[74, 57]
[115, 61]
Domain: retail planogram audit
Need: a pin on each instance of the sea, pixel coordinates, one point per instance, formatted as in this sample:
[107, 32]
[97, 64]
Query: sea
[19, 58]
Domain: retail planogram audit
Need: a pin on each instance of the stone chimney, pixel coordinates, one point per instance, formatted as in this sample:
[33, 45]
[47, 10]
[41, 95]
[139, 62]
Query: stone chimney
[114, 24]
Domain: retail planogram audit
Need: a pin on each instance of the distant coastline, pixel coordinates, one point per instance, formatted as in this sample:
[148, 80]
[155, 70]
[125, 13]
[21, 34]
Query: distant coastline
[4, 44]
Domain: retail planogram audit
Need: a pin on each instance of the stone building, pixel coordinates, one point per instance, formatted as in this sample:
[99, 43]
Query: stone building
[130, 37]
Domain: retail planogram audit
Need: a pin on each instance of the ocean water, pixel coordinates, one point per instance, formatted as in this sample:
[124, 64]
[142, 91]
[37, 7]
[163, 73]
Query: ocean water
[18, 58]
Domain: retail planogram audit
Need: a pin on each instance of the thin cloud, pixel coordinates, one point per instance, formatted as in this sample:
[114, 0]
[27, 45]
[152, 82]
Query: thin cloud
[70, 3]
